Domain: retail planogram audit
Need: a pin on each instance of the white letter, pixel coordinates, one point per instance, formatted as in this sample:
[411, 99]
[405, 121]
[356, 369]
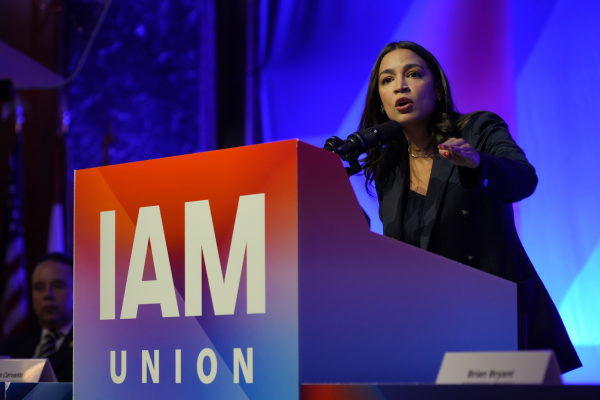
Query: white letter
[113, 370]
[148, 365]
[160, 291]
[238, 359]
[107, 265]
[213, 366]
[178, 366]
[248, 238]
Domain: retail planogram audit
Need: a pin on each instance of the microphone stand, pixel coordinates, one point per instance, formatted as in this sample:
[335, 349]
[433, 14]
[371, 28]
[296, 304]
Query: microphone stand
[333, 144]
[360, 142]
[354, 167]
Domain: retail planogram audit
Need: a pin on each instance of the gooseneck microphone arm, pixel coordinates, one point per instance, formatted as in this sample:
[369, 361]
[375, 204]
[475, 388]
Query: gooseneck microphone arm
[361, 141]
[333, 144]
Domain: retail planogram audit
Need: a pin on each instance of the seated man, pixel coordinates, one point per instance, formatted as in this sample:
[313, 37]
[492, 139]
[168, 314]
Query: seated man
[52, 300]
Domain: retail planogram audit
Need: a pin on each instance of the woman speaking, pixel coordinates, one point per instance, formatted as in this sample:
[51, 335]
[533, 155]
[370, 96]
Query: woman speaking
[449, 184]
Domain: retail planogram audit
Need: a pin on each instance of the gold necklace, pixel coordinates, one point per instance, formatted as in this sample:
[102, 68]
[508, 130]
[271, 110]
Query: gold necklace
[423, 156]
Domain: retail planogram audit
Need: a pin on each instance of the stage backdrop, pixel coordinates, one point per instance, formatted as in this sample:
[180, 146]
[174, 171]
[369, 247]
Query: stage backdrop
[533, 62]
[144, 94]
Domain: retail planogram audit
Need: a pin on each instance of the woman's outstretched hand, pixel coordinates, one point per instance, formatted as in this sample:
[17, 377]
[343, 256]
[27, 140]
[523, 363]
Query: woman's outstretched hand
[460, 153]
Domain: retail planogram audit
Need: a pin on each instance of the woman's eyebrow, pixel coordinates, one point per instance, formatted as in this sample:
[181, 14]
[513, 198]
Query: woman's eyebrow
[409, 66]
[386, 71]
[405, 68]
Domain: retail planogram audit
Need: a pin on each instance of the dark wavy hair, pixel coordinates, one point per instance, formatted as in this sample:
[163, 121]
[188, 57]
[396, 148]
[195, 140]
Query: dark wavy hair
[445, 122]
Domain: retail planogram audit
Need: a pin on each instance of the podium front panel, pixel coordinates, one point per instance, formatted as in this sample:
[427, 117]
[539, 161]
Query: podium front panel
[136, 213]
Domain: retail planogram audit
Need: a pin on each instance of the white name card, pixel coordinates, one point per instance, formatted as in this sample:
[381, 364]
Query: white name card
[514, 367]
[26, 370]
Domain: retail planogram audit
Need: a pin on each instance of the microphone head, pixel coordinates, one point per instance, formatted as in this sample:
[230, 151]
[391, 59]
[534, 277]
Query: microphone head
[379, 135]
[363, 140]
[389, 131]
[333, 143]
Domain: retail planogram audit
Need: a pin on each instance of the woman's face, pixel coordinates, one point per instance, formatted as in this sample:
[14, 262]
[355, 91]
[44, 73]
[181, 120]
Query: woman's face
[407, 88]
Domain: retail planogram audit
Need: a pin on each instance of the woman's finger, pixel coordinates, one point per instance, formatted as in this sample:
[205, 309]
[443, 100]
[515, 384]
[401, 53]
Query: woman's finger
[448, 143]
[464, 148]
[462, 157]
[452, 143]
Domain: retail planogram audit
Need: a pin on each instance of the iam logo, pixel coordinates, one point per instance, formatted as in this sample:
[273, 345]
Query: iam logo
[200, 243]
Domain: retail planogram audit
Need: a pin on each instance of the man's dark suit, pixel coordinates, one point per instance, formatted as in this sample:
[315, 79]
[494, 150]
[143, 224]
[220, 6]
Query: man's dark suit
[468, 217]
[23, 346]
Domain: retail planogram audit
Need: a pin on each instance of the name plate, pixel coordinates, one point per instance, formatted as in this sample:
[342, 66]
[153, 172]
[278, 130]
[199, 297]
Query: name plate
[513, 367]
[26, 370]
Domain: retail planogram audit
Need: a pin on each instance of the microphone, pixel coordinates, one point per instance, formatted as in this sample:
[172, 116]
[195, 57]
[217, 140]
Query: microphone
[363, 140]
[333, 143]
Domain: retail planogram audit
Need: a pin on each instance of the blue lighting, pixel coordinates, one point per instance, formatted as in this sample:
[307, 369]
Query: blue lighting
[534, 62]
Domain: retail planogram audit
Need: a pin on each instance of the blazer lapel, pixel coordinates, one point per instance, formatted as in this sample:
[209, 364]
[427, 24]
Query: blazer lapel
[394, 204]
[394, 201]
[440, 172]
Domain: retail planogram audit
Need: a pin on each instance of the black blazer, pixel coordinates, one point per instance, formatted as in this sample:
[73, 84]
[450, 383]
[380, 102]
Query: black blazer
[23, 346]
[468, 217]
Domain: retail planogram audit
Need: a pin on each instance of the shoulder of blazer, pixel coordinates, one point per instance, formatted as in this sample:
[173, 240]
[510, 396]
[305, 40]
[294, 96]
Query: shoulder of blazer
[479, 123]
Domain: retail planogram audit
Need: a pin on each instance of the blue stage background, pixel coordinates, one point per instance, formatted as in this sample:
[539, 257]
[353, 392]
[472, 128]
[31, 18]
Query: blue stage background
[534, 62]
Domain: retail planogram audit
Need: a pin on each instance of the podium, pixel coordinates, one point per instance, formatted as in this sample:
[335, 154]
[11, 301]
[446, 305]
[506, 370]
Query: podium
[243, 273]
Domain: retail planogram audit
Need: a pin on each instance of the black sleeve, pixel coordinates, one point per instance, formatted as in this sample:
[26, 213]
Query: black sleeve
[504, 171]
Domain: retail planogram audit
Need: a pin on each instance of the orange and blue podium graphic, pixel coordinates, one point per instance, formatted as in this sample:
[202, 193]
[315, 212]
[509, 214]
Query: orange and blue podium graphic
[243, 273]
[186, 277]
